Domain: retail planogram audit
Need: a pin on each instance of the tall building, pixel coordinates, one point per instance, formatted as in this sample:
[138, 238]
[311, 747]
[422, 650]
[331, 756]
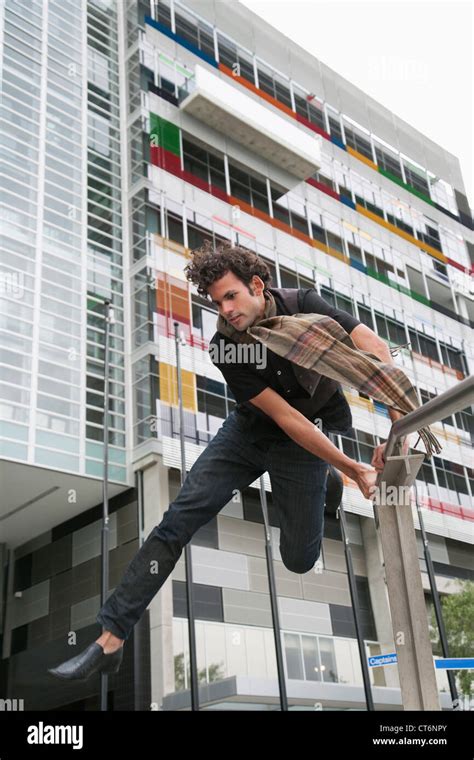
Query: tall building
[131, 132]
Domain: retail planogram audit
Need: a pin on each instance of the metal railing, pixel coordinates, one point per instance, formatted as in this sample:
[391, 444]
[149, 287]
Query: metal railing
[451, 401]
[402, 570]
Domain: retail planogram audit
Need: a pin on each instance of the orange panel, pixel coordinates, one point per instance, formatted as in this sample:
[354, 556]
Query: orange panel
[172, 300]
[401, 233]
[358, 155]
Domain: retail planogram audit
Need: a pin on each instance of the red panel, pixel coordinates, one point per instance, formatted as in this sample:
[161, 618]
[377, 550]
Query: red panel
[323, 188]
[313, 127]
[196, 181]
[165, 159]
[219, 193]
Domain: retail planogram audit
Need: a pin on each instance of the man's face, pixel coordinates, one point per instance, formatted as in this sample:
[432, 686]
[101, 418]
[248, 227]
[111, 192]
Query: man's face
[238, 307]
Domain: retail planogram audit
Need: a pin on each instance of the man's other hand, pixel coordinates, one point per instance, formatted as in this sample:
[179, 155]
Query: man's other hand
[365, 477]
[378, 458]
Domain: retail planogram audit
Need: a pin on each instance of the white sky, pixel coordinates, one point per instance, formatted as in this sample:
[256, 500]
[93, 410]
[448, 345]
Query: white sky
[415, 57]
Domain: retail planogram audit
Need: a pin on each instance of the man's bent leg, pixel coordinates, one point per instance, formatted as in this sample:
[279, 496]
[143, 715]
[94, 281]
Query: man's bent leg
[228, 463]
[299, 481]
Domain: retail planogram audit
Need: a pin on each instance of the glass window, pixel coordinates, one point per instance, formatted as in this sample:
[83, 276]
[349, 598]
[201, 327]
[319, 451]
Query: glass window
[465, 420]
[280, 204]
[366, 443]
[308, 106]
[98, 69]
[294, 664]
[236, 652]
[162, 13]
[288, 278]
[312, 664]
[442, 193]
[345, 668]
[416, 178]
[255, 643]
[355, 140]
[424, 345]
[204, 322]
[328, 659]
[335, 128]
[215, 652]
[282, 90]
[195, 31]
[186, 27]
[98, 134]
[240, 184]
[274, 85]
[365, 316]
[349, 447]
[227, 51]
[453, 357]
[425, 473]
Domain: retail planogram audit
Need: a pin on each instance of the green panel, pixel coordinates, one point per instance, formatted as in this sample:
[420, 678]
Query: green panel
[166, 134]
[403, 184]
[421, 195]
[391, 176]
[420, 298]
[381, 277]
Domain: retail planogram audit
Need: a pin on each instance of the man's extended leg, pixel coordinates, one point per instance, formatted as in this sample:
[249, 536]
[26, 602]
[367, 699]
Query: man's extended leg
[229, 462]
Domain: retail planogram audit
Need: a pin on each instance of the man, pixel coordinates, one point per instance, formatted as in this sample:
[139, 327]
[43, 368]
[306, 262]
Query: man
[271, 429]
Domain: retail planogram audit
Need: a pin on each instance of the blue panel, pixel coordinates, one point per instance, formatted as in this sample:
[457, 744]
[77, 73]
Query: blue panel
[347, 201]
[358, 265]
[177, 38]
[338, 142]
[381, 408]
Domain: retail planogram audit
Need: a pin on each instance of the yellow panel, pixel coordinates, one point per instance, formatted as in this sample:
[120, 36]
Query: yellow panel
[172, 245]
[169, 386]
[330, 251]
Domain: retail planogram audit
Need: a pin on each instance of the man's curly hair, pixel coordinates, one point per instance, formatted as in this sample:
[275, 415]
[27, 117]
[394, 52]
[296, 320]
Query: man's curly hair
[210, 263]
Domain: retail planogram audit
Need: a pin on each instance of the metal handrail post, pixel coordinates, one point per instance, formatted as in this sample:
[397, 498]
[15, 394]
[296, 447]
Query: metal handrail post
[273, 600]
[187, 548]
[402, 567]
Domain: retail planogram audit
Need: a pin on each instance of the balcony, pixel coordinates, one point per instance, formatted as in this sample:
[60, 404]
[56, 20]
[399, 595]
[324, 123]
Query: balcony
[225, 108]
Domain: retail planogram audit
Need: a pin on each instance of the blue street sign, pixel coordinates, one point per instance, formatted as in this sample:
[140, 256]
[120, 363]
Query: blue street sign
[455, 663]
[383, 659]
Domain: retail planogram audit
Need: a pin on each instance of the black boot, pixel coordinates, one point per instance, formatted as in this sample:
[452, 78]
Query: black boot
[91, 660]
[334, 490]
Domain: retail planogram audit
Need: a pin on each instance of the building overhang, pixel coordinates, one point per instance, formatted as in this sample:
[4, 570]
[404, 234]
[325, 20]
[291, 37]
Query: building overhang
[227, 109]
[253, 693]
[36, 499]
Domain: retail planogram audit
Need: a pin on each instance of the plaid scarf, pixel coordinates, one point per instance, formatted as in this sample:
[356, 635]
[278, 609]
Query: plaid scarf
[319, 344]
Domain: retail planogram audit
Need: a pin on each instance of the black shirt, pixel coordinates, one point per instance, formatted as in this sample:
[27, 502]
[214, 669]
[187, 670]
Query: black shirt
[248, 379]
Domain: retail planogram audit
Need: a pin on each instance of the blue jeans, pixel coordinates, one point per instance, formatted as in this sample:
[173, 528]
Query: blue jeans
[232, 461]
